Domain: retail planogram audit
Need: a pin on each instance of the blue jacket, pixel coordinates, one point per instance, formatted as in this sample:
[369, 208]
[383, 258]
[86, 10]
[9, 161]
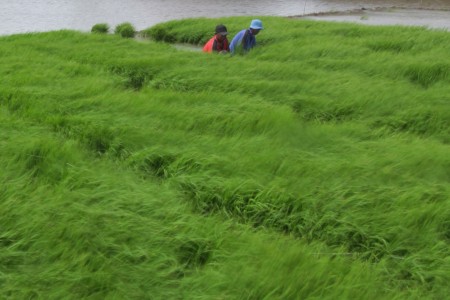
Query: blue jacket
[244, 39]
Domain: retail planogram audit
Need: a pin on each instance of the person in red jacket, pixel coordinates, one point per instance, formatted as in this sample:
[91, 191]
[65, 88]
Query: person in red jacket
[219, 42]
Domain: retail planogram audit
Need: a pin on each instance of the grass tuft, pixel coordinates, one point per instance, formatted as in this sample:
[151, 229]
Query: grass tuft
[194, 253]
[101, 28]
[125, 30]
[428, 74]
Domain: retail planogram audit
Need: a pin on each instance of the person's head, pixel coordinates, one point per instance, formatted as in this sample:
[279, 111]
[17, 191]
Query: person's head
[256, 26]
[221, 32]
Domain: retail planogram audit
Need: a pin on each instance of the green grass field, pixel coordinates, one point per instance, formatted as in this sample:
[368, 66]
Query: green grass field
[316, 166]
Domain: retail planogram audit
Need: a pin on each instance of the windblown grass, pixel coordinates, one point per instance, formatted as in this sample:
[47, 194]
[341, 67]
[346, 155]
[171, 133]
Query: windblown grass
[316, 166]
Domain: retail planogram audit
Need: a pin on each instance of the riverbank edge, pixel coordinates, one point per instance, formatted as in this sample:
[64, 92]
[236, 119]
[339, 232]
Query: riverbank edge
[363, 9]
[429, 18]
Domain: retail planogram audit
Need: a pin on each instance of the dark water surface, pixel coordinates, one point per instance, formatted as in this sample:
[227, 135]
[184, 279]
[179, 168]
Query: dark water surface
[19, 16]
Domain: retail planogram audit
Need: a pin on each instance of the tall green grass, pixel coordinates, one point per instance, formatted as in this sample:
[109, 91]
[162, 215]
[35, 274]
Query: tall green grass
[315, 166]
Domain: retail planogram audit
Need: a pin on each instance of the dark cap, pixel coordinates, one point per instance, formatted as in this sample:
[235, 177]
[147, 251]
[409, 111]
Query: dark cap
[221, 29]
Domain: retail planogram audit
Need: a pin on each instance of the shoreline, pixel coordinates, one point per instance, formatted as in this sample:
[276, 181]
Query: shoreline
[385, 16]
[363, 9]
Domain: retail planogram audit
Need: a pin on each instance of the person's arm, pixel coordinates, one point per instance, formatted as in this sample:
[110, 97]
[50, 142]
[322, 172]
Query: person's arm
[236, 41]
[245, 41]
[252, 41]
[208, 46]
[249, 41]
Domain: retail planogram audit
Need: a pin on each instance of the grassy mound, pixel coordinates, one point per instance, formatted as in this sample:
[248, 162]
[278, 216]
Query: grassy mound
[102, 28]
[316, 166]
[125, 30]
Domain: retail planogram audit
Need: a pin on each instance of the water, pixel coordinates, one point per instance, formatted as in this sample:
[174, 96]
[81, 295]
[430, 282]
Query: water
[19, 16]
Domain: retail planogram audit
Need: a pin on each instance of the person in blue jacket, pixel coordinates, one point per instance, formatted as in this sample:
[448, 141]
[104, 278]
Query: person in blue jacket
[245, 39]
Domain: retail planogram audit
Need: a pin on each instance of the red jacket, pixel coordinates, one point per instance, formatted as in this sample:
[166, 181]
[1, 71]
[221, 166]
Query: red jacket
[214, 45]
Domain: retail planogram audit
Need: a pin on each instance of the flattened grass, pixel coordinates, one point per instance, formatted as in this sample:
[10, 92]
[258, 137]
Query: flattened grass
[315, 166]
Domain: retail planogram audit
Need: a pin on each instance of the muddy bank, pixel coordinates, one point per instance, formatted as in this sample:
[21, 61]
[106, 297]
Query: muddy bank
[331, 6]
[429, 18]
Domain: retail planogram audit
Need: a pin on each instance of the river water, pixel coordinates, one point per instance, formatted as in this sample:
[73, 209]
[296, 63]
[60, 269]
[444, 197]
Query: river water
[20, 16]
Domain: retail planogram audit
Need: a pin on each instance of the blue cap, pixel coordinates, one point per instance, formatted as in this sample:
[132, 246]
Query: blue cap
[256, 24]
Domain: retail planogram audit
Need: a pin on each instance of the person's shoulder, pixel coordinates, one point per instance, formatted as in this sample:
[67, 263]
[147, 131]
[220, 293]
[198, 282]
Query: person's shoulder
[241, 33]
[211, 40]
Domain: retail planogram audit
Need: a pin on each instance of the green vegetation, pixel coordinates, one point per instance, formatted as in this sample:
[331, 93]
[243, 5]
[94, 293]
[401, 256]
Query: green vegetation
[125, 30]
[315, 167]
[100, 28]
